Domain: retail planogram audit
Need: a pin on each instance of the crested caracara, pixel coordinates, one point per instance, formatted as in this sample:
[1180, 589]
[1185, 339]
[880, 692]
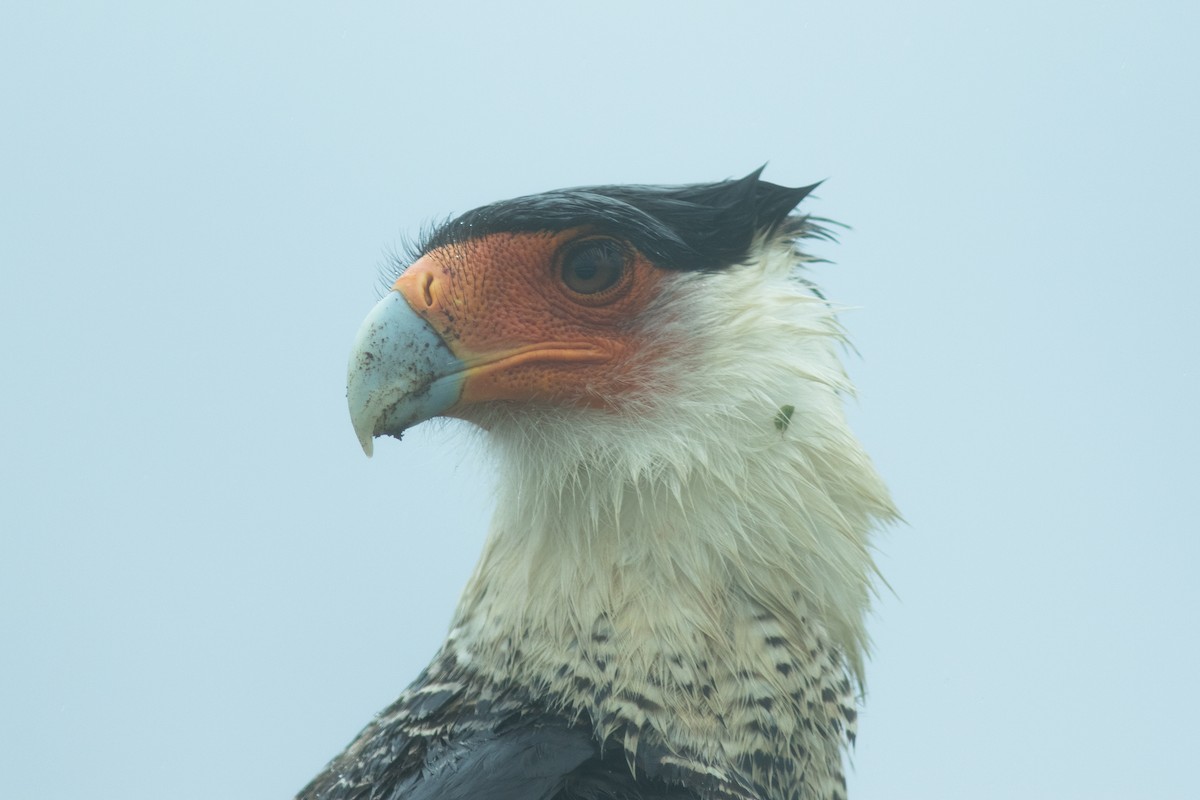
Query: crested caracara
[670, 602]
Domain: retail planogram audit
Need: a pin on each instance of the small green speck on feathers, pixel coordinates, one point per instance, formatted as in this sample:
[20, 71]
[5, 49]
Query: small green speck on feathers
[784, 417]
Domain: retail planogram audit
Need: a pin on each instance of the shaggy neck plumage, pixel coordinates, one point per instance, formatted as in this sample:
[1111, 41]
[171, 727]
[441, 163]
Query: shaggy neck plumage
[705, 545]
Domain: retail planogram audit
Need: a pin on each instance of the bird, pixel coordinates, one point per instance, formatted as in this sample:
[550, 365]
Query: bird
[670, 601]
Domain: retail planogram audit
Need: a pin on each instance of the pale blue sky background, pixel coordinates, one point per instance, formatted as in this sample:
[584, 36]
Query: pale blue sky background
[206, 589]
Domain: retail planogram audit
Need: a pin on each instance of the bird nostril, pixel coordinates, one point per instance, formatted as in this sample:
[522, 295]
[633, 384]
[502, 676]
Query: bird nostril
[427, 290]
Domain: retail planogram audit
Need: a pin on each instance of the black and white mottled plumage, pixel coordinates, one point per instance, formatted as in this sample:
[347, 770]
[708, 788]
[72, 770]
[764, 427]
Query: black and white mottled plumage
[670, 602]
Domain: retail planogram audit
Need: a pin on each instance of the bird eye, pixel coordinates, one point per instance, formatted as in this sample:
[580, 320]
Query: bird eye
[593, 265]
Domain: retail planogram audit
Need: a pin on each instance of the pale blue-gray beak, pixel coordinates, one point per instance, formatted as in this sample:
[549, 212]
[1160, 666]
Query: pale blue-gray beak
[401, 372]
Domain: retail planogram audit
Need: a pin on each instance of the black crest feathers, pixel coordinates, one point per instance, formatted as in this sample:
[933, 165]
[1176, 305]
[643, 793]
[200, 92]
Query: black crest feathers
[702, 226]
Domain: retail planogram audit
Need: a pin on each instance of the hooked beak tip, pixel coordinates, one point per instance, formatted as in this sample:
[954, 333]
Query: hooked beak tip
[401, 373]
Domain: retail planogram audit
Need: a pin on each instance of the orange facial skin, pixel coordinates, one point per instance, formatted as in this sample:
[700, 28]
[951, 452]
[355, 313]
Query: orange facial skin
[500, 304]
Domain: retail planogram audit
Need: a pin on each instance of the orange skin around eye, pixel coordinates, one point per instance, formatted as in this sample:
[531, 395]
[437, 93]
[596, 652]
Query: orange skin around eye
[500, 304]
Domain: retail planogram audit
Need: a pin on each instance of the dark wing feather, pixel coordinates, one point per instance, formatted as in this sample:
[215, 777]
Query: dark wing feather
[532, 757]
[444, 740]
[527, 763]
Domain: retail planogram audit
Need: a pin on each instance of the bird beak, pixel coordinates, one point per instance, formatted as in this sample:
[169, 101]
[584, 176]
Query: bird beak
[401, 372]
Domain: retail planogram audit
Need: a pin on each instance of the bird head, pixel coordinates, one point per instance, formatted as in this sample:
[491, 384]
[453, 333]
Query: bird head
[598, 300]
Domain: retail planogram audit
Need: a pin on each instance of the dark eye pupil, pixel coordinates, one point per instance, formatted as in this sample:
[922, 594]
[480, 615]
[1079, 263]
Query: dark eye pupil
[593, 267]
